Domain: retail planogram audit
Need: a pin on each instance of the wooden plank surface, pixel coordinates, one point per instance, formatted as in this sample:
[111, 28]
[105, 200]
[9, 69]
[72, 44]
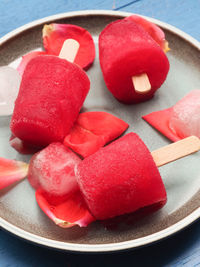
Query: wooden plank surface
[183, 14]
[183, 249]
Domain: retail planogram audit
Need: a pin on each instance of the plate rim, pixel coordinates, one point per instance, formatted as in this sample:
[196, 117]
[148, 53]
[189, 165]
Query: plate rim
[109, 247]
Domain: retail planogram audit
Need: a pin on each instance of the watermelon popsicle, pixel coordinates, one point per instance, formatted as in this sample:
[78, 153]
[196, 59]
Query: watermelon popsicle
[51, 95]
[133, 64]
[123, 176]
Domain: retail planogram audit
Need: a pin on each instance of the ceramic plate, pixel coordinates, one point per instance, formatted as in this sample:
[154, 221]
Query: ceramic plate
[19, 212]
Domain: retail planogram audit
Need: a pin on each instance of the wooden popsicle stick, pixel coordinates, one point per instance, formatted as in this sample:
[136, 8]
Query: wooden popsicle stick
[69, 50]
[141, 83]
[176, 150]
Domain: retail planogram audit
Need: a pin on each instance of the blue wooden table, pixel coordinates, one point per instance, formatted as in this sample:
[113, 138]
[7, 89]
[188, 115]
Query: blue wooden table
[181, 249]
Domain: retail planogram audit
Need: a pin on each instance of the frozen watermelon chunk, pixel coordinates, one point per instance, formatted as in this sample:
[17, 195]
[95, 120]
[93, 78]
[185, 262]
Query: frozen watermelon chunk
[153, 30]
[120, 178]
[11, 171]
[52, 169]
[93, 130]
[181, 120]
[69, 212]
[26, 58]
[55, 34]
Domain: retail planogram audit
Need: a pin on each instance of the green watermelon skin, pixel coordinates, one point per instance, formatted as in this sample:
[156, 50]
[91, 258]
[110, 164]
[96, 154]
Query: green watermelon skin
[120, 178]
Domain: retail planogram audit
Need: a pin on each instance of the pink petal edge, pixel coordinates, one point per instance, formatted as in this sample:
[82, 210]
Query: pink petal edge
[11, 171]
[75, 205]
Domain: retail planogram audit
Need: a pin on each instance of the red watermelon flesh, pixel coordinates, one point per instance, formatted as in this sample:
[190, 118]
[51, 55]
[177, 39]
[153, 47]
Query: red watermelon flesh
[153, 30]
[93, 130]
[120, 178]
[51, 95]
[52, 169]
[55, 34]
[126, 50]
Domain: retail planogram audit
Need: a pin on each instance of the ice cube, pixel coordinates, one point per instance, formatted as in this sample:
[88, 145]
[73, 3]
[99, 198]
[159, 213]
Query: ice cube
[52, 169]
[185, 116]
[9, 87]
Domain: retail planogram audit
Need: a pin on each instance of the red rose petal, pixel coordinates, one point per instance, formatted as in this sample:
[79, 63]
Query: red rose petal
[11, 171]
[160, 121]
[22, 147]
[156, 33]
[26, 58]
[72, 211]
[83, 141]
[179, 121]
[93, 130]
[55, 34]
